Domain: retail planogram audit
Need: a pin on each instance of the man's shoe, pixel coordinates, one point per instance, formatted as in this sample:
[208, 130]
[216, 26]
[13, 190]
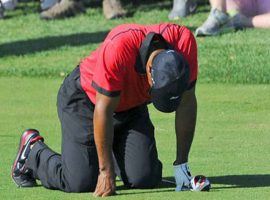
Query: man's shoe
[182, 8]
[20, 174]
[182, 177]
[62, 9]
[113, 9]
[213, 25]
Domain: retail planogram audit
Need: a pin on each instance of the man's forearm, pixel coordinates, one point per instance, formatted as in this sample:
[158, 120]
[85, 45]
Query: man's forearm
[103, 130]
[185, 122]
[103, 134]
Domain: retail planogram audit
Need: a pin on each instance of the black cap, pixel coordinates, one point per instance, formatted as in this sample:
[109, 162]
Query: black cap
[170, 76]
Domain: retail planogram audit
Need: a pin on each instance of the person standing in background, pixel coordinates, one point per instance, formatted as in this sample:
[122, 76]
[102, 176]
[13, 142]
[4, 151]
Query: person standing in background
[235, 14]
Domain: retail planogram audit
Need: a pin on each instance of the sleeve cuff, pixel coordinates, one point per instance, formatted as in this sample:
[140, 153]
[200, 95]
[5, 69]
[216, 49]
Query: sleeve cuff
[104, 91]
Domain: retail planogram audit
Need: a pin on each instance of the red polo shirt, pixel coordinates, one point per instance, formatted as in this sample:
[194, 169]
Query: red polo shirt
[110, 69]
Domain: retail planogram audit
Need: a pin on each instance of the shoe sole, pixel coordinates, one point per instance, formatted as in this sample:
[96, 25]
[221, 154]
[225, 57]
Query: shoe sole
[23, 141]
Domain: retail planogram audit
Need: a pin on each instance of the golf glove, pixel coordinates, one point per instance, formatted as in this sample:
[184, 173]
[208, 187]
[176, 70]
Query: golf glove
[182, 177]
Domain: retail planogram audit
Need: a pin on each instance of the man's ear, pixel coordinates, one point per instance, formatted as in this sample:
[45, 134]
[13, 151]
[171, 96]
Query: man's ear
[148, 73]
[149, 64]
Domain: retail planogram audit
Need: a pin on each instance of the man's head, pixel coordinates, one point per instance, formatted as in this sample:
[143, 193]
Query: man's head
[168, 75]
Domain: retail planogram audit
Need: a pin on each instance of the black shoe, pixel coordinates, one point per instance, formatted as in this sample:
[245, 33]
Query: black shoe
[20, 174]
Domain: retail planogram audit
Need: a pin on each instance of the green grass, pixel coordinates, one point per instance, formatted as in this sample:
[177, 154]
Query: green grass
[32, 47]
[231, 145]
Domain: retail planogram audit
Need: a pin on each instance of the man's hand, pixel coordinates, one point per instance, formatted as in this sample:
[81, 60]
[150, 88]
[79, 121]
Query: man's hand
[103, 134]
[105, 185]
[182, 177]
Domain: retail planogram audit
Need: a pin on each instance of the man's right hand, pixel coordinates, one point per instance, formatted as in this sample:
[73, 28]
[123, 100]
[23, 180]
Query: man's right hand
[105, 185]
[182, 177]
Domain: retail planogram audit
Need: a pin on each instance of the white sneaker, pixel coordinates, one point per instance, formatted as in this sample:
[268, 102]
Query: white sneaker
[9, 4]
[182, 177]
[213, 24]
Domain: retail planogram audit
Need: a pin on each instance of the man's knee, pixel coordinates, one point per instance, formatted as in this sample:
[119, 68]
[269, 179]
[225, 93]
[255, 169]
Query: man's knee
[149, 178]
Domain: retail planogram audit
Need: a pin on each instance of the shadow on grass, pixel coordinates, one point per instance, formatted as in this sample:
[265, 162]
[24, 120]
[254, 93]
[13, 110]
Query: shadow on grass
[30, 46]
[241, 181]
[232, 181]
[229, 182]
[49, 43]
[164, 186]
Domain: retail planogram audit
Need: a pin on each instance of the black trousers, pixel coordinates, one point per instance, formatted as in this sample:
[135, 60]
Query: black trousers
[76, 169]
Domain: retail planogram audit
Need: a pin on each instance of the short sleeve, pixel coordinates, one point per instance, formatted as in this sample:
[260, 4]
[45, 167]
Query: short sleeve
[109, 72]
[188, 47]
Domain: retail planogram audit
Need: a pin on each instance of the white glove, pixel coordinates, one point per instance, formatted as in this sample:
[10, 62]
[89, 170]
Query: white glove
[182, 177]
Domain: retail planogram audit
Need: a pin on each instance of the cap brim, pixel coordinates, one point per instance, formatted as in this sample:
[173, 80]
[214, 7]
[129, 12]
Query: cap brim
[165, 102]
[162, 104]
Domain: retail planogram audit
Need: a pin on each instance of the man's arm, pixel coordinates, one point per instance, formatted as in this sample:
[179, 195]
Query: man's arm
[185, 122]
[103, 134]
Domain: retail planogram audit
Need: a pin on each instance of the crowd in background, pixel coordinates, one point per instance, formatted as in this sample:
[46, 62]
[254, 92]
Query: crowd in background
[224, 14]
[236, 14]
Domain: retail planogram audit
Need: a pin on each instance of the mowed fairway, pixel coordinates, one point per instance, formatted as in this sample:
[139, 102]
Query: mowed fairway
[231, 145]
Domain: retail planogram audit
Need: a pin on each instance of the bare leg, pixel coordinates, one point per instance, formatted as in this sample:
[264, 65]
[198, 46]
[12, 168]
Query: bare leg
[113, 9]
[258, 21]
[219, 4]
